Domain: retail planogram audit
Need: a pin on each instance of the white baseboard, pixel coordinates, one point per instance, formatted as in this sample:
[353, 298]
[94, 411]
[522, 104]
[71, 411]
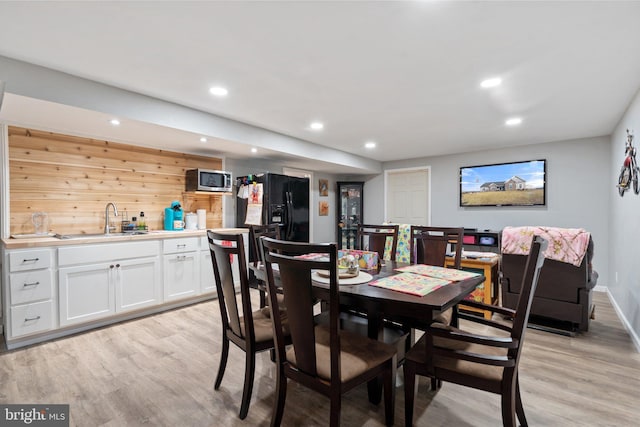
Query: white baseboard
[634, 336]
[600, 288]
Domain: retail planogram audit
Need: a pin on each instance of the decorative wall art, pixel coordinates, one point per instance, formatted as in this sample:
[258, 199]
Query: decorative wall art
[323, 187]
[323, 208]
[629, 171]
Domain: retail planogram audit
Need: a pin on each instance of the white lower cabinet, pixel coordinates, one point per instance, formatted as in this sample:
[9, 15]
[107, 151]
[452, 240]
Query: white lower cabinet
[138, 284]
[68, 286]
[99, 289]
[181, 268]
[28, 295]
[87, 292]
[207, 279]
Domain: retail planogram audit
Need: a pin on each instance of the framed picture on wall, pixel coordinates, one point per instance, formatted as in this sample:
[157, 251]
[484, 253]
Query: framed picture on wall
[323, 208]
[323, 187]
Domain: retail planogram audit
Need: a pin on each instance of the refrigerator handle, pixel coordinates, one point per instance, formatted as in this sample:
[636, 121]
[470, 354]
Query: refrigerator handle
[289, 232]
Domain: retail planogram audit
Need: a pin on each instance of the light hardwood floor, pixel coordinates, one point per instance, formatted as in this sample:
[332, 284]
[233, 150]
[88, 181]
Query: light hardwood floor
[159, 371]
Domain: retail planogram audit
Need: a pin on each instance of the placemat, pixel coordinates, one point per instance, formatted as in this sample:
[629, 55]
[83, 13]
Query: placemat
[410, 283]
[439, 272]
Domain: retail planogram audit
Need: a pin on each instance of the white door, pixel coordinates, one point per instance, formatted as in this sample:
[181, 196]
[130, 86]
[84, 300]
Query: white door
[407, 196]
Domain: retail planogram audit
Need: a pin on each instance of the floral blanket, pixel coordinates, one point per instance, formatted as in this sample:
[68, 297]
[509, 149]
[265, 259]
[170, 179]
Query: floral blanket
[402, 252]
[565, 244]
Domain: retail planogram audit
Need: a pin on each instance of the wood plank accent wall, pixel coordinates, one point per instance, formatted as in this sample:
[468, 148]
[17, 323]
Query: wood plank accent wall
[73, 178]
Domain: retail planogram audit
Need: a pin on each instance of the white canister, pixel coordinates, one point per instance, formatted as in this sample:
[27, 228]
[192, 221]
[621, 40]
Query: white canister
[202, 218]
[190, 221]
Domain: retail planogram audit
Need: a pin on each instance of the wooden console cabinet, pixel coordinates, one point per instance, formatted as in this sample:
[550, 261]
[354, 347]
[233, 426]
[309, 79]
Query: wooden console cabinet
[486, 292]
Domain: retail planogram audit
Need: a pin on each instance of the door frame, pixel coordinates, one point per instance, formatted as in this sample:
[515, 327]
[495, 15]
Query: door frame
[415, 168]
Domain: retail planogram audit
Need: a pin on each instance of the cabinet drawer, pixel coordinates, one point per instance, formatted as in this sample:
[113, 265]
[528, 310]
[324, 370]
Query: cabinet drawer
[29, 260]
[184, 244]
[85, 254]
[30, 318]
[30, 286]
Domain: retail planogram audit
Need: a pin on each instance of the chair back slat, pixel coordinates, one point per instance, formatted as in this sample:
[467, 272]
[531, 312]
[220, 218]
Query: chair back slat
[535, 260]
[429, 245]
[256, 232]
[374, 238]
[221, 257]
[295, 275]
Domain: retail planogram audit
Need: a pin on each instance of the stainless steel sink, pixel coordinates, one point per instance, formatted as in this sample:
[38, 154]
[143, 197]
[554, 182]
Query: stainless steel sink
[96, 235]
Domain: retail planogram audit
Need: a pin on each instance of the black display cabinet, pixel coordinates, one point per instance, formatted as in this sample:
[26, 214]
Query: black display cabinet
[349, 213]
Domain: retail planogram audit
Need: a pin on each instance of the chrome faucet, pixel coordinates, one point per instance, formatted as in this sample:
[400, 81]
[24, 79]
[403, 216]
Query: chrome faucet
[107, 227]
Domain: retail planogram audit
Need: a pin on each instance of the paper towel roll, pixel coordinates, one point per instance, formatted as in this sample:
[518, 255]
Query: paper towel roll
[202, 218]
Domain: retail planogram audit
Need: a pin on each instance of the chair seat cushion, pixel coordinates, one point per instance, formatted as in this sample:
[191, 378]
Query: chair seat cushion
[417, 354]
[262, 326]
[358, 354]
[267, 311]
[444, 317]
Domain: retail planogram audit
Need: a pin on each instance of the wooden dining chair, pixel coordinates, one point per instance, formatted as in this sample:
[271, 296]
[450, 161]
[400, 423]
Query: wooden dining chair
[430, 245]
[255, 233]
[250, 330]
[323, 357]
[487, 363]
[374, 238]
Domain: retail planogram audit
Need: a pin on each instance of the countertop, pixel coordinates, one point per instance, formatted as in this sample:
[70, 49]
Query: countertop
[37, 242]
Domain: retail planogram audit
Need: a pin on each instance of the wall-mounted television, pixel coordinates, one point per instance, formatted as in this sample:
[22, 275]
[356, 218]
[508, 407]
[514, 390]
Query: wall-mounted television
[504, 184]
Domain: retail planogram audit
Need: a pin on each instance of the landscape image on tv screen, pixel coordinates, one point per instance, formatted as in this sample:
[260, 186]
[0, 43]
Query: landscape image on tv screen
[504, 184]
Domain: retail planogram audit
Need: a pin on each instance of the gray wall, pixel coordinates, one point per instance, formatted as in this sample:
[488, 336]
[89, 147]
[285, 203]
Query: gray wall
[624, 227]
[578, 189]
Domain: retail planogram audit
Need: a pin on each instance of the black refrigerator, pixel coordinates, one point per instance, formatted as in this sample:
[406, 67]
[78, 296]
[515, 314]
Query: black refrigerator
[285, 201]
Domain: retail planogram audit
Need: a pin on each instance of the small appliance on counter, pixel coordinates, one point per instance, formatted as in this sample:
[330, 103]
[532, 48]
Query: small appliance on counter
[191, 221]
[202, 218]
[173, 217]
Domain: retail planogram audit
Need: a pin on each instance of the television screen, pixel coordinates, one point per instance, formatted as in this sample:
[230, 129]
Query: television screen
[504, 184]
[487, 241]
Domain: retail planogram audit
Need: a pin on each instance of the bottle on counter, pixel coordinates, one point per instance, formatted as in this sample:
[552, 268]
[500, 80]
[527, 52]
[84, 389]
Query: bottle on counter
[141, 224]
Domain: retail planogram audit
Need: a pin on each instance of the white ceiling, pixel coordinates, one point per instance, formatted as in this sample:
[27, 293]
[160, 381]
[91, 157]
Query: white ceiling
[403, 74]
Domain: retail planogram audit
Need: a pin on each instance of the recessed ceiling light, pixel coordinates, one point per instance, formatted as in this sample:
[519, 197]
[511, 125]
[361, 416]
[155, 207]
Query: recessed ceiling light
[513, 121]
[218, 91]
[114, 122]
[370, 144]
[316, 126]
[492, 82]
[203, 139]
[254, 150]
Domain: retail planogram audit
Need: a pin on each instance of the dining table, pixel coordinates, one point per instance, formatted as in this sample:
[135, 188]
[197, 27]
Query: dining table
[380, 304]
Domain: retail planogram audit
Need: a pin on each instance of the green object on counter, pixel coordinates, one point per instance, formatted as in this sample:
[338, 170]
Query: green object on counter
[141, 222]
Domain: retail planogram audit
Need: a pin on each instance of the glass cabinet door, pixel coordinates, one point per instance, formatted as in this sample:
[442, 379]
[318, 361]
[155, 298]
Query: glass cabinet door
[349, 213]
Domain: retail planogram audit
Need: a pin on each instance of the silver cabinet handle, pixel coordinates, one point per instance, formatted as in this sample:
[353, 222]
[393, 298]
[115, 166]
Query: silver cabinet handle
[181, 257]
[30, 260]
[30, 284]
[29, 319]
[181, 246]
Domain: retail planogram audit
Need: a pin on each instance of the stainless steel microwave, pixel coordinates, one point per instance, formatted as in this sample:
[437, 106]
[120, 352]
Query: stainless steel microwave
[208, 180]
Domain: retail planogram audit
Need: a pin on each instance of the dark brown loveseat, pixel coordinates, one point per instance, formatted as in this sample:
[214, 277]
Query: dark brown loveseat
[563, 294]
